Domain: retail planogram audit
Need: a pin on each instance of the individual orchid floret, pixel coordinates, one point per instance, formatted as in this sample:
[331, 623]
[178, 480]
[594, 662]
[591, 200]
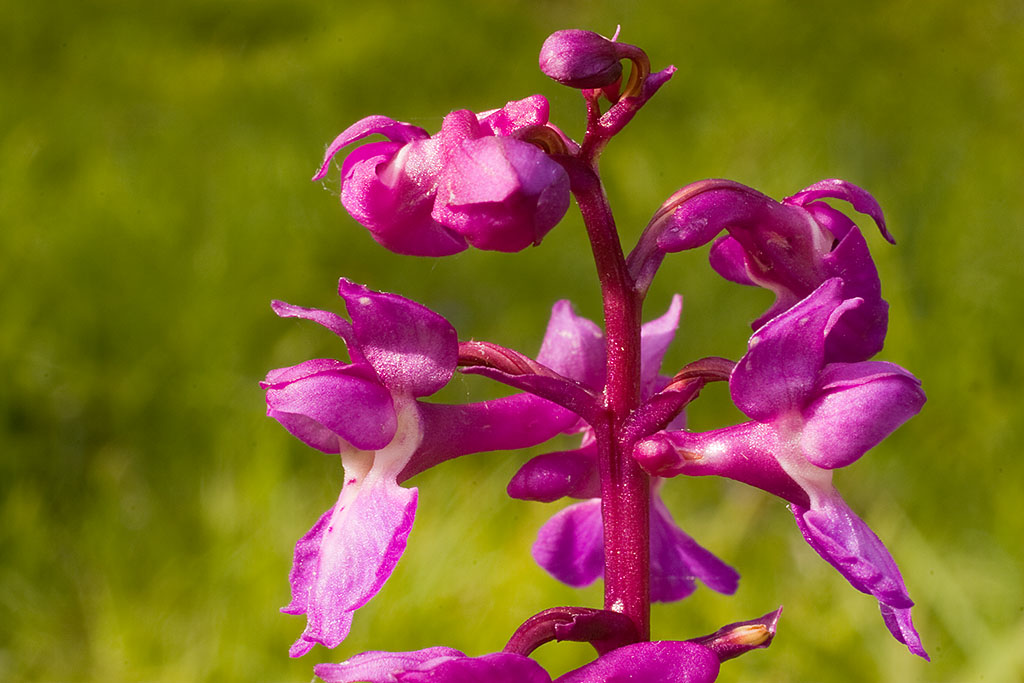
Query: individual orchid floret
[808, 417]
[367, 410]
[570, 546]
[480, 182]
[789, 247]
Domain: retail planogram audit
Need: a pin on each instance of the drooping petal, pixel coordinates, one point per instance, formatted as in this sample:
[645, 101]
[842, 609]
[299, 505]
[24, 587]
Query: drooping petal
[551, 476]
[677, 560]
[396, 131]
[347, 556]
[655, 338]
[574, 346]
[846, 542]
[857, 405]
[783, 359]
[383, 667]
[351, 551]
[570, 545]
[413, 349]
[509, 423]
[322, 400]
[901, 626]
[650, 662]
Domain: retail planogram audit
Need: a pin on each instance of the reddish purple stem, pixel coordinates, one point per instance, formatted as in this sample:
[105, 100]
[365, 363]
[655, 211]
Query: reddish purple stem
[625, 488]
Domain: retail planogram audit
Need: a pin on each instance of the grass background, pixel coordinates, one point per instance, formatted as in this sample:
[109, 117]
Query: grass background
[154, 197]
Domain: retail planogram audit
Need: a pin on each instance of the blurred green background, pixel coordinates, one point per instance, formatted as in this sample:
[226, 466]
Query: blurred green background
[154, 196]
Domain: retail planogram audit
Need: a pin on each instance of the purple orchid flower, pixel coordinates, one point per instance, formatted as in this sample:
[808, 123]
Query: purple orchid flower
[692, 661]
[479, 182]
[367, 411]
[789, 247]
[570, 545]
[808, 417]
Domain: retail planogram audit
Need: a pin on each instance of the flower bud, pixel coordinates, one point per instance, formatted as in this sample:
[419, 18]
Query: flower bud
[580, 59]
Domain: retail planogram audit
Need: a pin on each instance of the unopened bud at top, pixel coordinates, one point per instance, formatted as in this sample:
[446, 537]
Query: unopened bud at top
[581, 59]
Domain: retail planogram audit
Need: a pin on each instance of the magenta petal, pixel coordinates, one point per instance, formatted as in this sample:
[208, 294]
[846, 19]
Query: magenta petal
[381, 125]
[516, 115]
[859, 405]
[321, 400]
[677, 560]
[501, 194]
[574, 347]
[860, 333]
[653, 662]
[383, 667]
[846, 542]
[551, 476]
[781, 366]
[332, 321]
[901, 627]
[833, 188]
[391, 189]
[349, 553]
[570, 545]
[413, 349]
[729, 260]
[500, 667]
[655, 337]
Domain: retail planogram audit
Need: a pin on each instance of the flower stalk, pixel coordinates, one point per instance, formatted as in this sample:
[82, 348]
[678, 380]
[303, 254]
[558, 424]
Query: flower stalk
[625, 487]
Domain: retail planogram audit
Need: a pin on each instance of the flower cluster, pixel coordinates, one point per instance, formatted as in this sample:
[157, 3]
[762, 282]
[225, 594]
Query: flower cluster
[501, 180]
